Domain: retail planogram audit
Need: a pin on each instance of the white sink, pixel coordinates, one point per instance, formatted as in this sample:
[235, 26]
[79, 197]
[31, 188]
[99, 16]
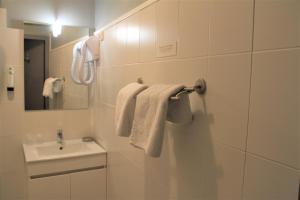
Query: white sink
[52, 150]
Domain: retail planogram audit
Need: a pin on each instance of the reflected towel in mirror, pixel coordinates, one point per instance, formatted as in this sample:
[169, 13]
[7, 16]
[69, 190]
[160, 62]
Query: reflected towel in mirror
[48, 87]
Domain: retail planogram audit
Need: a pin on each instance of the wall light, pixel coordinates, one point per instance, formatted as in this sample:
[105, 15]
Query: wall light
[133, 34]
[56, 28]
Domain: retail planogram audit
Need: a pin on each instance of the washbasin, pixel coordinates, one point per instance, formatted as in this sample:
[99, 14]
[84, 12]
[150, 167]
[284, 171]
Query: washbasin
[53, 150]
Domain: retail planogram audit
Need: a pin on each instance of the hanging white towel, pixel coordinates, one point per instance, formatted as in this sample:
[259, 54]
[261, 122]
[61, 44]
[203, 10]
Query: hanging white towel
[125, 107]
[48, 87]
[150, 116]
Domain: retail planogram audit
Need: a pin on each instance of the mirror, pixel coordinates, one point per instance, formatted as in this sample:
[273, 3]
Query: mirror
[47, 64]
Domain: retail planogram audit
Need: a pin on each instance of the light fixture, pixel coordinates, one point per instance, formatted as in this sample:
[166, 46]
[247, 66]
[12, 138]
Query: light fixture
[56, 28]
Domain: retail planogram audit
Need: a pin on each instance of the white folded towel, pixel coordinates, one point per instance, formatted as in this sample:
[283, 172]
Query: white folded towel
[150, 116]
[125, 107]
[48, 87]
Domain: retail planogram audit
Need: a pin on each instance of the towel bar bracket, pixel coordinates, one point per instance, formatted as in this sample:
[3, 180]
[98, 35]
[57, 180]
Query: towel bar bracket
[199, 88]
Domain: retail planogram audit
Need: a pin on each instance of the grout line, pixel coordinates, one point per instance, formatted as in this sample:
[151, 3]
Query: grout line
[273, 161]
[178, 59]
[219, 142]
[276, 50]
[249, 98]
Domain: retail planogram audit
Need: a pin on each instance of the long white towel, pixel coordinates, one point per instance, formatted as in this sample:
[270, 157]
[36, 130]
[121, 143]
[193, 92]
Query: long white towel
[48, 87]
[150, 116]
[125, 107]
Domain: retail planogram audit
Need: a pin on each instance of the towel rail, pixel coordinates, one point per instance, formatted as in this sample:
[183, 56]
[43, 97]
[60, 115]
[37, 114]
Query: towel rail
[199, 88]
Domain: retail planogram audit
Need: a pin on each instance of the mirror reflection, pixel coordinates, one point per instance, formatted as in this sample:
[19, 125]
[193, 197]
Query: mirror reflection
[47, 61]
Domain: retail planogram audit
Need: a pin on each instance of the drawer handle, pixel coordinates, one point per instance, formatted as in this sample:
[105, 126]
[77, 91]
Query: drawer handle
[66, 172]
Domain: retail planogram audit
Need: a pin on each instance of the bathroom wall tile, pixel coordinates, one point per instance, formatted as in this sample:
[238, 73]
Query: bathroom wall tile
[105, 130]
[231, 26]
[267, 180]
[148, 34]
[167, 27]
[73, 124]
[41, 126]
[228, 97]
[110, 79]
[193, 28]
[14, 186]
[119, 171]
[13, 156]
[11, 118]
[178, 175]
[274, 106]
[11, 46]
[276, 24]
[184, 72]
[230, 165]
[107, 45]
[133, 39]
[119, 43]
[49, 121]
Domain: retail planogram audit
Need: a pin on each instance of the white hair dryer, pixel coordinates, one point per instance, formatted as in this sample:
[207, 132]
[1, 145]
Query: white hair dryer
[85, 56]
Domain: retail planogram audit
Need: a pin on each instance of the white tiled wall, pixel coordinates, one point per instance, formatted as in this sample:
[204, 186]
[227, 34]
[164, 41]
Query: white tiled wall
[269, 180]
[276, 24]
[18, 126]
[244, 141]
[274, 111]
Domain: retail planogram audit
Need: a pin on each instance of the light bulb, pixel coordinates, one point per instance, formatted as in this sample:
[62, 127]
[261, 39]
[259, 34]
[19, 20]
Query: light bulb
[56, 28]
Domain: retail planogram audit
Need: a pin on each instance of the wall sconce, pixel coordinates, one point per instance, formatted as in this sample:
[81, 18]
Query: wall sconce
[56, 29]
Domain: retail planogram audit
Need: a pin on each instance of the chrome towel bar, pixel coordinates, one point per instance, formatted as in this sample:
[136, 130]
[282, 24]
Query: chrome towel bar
[199, 88]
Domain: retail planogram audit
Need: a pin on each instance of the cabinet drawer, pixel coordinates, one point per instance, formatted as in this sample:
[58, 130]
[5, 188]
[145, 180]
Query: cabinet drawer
[65, 165]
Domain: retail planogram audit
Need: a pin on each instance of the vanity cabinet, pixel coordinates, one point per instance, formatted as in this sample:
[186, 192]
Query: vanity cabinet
[75, 172]
[83, 185]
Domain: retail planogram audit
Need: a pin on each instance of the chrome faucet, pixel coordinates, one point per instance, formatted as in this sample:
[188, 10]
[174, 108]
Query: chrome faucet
[60, 137]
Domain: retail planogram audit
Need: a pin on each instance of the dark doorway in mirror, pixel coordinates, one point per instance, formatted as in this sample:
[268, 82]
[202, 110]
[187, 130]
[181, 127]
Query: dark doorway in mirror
[36, 70]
